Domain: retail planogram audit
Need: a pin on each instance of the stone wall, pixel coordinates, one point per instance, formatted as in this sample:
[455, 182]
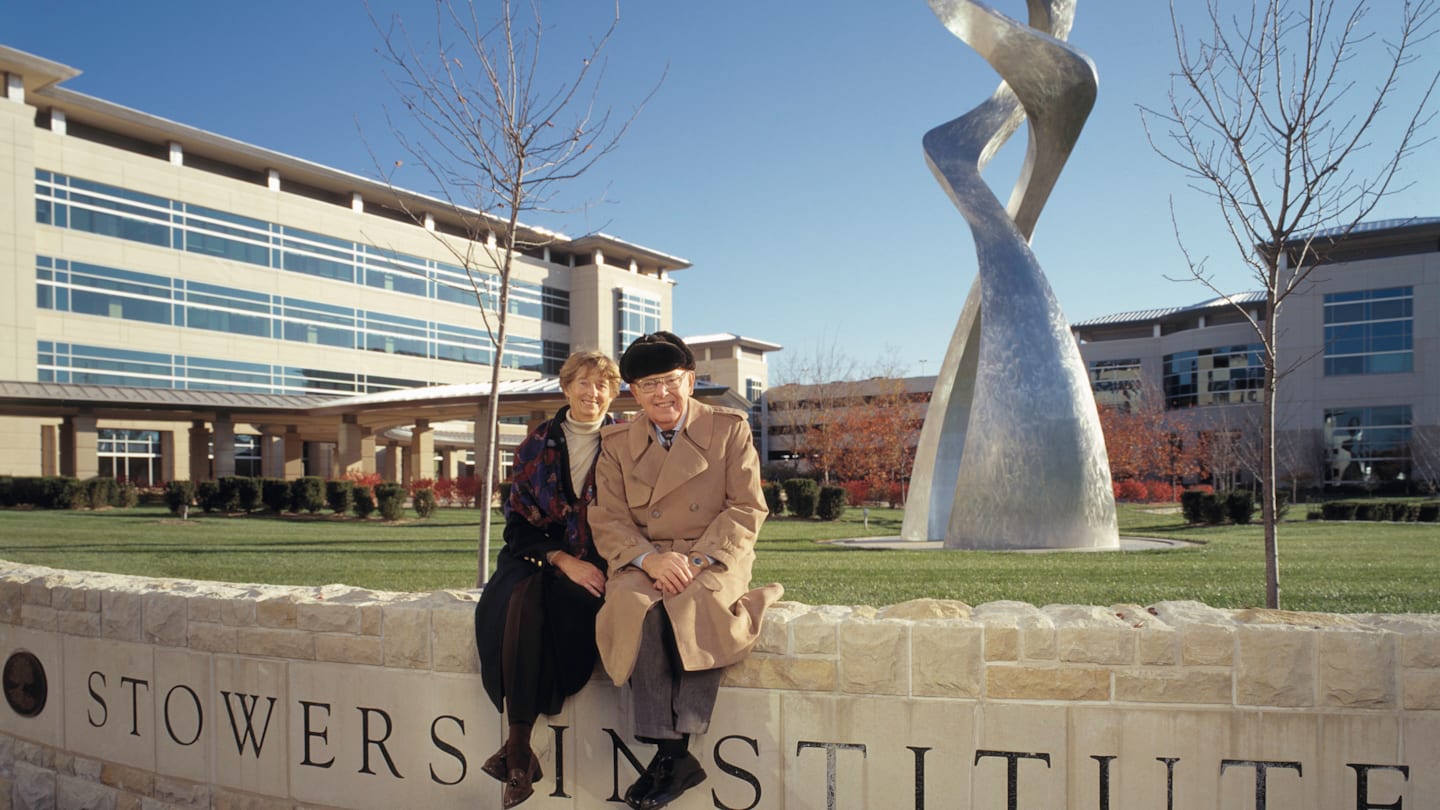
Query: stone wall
[165, 694]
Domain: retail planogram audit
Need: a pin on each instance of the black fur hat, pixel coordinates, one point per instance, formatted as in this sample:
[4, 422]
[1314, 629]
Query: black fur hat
[655, 353]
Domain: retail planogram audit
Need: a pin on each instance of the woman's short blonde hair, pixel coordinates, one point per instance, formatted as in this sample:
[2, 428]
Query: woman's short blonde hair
[592, 362]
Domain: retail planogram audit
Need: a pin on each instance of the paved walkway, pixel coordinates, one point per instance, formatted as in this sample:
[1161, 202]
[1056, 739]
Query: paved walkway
[896, 544]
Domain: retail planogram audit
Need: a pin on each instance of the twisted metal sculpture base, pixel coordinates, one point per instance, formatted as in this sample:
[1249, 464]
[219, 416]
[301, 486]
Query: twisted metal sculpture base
[1011, 455]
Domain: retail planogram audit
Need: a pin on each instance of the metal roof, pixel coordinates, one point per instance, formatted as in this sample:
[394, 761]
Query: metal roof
[1151, 315]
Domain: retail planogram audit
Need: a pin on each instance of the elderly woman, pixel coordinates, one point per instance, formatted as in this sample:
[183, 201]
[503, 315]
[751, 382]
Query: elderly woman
[535, 623]
[678, 509]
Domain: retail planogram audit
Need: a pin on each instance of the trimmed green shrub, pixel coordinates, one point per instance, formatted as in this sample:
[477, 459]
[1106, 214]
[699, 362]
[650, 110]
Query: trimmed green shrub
[46, 491]
[7, 490]
[424, 502]
[802, 494]
[307, 494]
[1239, 506]
[275, 494]
[340, 495]
[1338, 510]
[127, 496]
[96, 492]
[178, 494]
[1364, 510]
[208, 495]
[1282, 504]
[772, 498]
[1428, 512]
[364, 501]
[240, 493]
[1192, 505]
[831, 503]
[1213, 509]
[390, 499]
[1405, 512]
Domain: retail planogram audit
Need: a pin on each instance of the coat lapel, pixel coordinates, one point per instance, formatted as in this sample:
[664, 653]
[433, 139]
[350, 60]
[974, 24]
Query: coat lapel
[686, 457]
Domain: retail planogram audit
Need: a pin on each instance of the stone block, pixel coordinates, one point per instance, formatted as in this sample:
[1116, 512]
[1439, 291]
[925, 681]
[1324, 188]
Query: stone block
[82, 794]
[11, 600]
[921, 609]
[1002, 643]
[182, 793]
[1421, 650]
[1114, 646]
[69, 597]
[947, 659]
[130, 780]
[129, 801]
[77, 623]
[323, 617]
[1422, 690]
[222, 799]
[121, 616]
[371, 619]
[236, 612]
[1157, 646]
[774, 634]
[277, 611]
[1357, 669]
[34, 788]
[1275, 667]
[452, 641]
[84, 767]
[1207, 645]
[406, 637]
[42, 756]
[275, 643]
[348, 649]
[1020, 682]
[165, 619]
[37, 591]
[40, 617]
[814, 633]
[1173, 685]
[213, 637]
[778, 672]
[874, 658]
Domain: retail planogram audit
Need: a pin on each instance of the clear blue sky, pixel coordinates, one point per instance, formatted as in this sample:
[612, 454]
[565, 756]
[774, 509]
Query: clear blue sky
[781, 155]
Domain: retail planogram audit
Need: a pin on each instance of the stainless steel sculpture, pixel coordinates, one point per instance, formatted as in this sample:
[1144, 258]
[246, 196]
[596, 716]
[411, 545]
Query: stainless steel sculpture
[1011, 455]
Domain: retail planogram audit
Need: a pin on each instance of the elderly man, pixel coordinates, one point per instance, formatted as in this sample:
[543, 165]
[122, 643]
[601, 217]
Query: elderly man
[676, 513]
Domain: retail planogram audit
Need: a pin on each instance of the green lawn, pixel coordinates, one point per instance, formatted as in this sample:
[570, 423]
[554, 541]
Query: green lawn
[1334, 567]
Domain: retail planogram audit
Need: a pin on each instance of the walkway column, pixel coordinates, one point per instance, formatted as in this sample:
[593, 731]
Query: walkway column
[348, 446]
[168, 460]
[49, 450]
[224, 446]
[199, 451]
[393, 470]
[79, 446]
[294, 454]
[272, 452]
[420, 461]
[449, 461]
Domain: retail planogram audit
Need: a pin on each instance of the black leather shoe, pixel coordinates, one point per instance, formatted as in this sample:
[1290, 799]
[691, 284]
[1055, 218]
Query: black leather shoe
[670, 777]
[641, 786]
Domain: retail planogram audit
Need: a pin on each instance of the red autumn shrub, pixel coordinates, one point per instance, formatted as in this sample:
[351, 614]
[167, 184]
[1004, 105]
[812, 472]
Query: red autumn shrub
[856, 492]
[1132, 491]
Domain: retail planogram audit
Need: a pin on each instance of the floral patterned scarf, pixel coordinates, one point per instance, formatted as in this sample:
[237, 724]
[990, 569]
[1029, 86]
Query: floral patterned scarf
[538, 492]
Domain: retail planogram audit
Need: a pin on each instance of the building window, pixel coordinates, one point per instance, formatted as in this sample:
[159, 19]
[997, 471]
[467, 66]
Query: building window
[1218, 376]
[1369, 332]
[1115, 382]
[1367, 445]
[753, 389]
[556, 305]
[636, 314]
[130, 455]
[247, 455]
[556, 353]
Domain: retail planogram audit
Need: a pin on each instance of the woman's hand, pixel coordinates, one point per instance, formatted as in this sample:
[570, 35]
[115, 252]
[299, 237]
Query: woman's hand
[580, 572]
[670, 570]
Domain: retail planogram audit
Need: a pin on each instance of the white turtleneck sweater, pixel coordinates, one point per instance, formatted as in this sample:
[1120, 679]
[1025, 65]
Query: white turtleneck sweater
[583, 441]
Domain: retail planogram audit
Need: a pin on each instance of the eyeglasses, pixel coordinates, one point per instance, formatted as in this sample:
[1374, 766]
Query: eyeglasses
[651, 384]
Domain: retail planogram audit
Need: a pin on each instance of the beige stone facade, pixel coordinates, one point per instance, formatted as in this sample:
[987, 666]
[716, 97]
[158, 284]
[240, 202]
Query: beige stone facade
[137, 251]
[169, 693]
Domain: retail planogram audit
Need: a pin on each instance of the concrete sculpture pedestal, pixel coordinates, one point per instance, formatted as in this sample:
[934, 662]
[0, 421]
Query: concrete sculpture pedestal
[1011, 455]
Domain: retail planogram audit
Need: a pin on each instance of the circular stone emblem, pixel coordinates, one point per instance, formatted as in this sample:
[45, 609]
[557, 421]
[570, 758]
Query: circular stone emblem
[24, 684]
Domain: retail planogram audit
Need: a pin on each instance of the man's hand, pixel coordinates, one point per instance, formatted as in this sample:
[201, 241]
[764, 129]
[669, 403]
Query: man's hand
[579, 572]
[670, 570]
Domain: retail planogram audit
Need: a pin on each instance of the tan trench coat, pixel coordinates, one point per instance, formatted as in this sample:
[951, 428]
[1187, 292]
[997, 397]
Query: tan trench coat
[702, 495]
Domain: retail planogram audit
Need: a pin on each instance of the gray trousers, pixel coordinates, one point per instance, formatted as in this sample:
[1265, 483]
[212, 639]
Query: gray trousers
[669, 701]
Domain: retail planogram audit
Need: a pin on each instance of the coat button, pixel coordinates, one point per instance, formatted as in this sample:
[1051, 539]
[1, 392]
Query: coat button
[655, 513]
[694, 507]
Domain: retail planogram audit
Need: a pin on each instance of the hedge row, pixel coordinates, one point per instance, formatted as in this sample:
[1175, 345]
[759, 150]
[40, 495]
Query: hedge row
[65, 492]
[804, 498]
[308, 494]
[1397, 511]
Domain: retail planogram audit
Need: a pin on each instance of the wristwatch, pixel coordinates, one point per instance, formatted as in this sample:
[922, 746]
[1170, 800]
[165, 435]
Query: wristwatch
[699, 560]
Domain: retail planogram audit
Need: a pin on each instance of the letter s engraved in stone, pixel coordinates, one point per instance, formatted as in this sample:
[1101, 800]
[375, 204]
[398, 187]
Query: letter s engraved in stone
[736, 771]
[104, 709]
[447, 748]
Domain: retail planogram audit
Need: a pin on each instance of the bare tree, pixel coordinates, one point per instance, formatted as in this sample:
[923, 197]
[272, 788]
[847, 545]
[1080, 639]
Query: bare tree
[497, 141]
[1267, 120]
